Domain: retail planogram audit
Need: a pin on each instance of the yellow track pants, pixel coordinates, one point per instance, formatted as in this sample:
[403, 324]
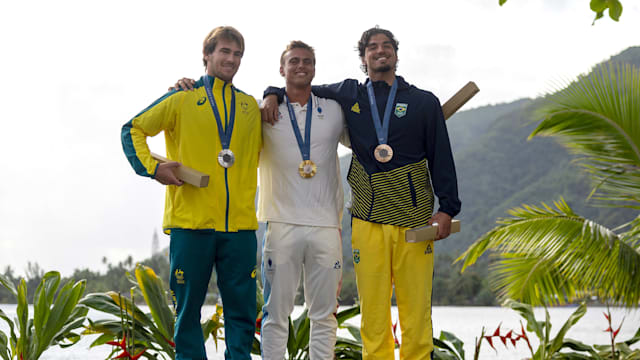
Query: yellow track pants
[383, 260]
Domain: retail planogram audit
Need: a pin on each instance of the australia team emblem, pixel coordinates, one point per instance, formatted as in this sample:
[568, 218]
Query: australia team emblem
[356, 256]
[401, 109]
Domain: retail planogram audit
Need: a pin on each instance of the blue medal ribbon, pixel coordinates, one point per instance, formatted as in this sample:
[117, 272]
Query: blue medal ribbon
[304, 146]
[225, 135]
[382, 127]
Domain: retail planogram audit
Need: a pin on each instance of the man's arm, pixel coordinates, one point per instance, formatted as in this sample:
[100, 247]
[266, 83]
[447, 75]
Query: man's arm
[157, 117]
[343, 92]
[441, 168]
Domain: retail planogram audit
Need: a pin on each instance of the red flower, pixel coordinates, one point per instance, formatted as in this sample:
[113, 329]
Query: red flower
[490, 341]
[258, 325]
[122, 344]
[395, 338]
[170, 342]
[124, 354]
[136, 357]
[497, 332]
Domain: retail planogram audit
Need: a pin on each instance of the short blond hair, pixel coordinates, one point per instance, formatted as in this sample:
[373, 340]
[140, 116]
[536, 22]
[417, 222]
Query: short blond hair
[297, 44]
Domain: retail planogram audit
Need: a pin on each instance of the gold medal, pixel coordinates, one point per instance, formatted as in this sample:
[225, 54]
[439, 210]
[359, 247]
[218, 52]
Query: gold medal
[307, 169]
[383, 153]
[226, 158]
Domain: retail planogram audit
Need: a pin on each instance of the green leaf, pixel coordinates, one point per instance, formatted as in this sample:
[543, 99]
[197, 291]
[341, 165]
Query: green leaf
[455, 341]
[43, 299]
[347, 314]
[291, 340]
[102, 339]
[354, 331]
[578, 346]
[526, 311]
[255, 347]
[634, 339]
[63, 307]
[22, 312]
[8, 285]
[302, 326]
[502, 2]
[12, 332]
[4, 346]
[443, 355]
[558, 341]
[155, 297]
[447, 351]
[595, 117]
[615, 9]
[598, 5]
[551, 255]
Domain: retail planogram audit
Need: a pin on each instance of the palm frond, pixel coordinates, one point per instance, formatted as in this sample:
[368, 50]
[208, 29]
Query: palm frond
[598, 118]
[551, 255]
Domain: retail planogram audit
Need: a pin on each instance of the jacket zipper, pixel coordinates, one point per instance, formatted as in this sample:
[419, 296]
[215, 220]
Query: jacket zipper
[226, 178]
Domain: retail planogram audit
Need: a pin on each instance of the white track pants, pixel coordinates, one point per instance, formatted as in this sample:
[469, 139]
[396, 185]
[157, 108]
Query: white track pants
[288, 250]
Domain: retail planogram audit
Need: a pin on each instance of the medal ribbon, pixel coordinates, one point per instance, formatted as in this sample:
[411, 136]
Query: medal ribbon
[304, 146]
[225, 135]
[382, 128]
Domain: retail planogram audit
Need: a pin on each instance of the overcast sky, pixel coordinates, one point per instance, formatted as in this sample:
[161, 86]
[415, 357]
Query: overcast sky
[74, 71]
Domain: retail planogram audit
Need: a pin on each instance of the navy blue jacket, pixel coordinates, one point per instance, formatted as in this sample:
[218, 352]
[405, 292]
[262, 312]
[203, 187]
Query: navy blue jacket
[400, 191]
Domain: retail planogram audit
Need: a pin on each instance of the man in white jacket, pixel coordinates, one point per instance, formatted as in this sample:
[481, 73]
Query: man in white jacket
[301, 198]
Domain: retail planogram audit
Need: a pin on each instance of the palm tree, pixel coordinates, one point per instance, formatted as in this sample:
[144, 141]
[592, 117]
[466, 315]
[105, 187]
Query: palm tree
[551, 255]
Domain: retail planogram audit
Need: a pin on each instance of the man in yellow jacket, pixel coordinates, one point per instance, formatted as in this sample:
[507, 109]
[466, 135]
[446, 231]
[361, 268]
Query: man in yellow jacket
[216, 130]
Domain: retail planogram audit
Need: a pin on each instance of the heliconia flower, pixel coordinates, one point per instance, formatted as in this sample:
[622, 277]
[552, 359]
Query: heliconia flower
[122, 344]
[497, 332]
[513, 342]
[490, 341]
[524, 333]
[504, 340]
[170, 342]
[606, 316]
[124, 354]
[608, 329]
[395, 338]
[258, 325]
[615, 333]
[136, 357]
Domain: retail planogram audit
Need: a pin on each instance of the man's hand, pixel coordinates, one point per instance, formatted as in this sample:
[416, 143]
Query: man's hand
[185, 84]
[444, 224]
[165, 175]
[269, 109]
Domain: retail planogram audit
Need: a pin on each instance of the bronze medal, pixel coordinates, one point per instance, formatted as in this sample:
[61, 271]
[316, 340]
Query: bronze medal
[307, 169]
[383, 153]
[226, 158]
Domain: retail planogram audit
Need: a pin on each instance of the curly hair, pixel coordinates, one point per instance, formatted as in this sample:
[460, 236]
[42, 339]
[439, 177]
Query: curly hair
[366, 36]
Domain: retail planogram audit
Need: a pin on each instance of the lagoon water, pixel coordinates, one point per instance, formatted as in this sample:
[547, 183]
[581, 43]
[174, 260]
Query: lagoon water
[464, 322]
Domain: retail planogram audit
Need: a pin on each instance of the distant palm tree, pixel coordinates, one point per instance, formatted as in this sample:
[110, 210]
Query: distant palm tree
[550, 255]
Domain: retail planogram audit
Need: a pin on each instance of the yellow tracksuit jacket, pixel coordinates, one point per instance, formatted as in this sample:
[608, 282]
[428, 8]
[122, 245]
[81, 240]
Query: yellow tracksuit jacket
[191, 137]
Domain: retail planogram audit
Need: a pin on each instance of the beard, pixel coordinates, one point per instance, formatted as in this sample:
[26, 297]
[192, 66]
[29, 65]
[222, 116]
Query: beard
[382, 68]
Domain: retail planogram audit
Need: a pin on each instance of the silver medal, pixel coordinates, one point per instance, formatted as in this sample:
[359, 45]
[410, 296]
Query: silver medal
[226, 158]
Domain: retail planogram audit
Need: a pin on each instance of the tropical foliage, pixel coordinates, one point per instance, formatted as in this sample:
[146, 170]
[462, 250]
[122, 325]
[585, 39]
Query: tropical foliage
[54, 317]
[559, 346]
[550, 255]
[133, 331]
[599, 7]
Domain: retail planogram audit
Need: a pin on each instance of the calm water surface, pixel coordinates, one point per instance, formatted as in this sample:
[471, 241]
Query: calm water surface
[464, 322]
